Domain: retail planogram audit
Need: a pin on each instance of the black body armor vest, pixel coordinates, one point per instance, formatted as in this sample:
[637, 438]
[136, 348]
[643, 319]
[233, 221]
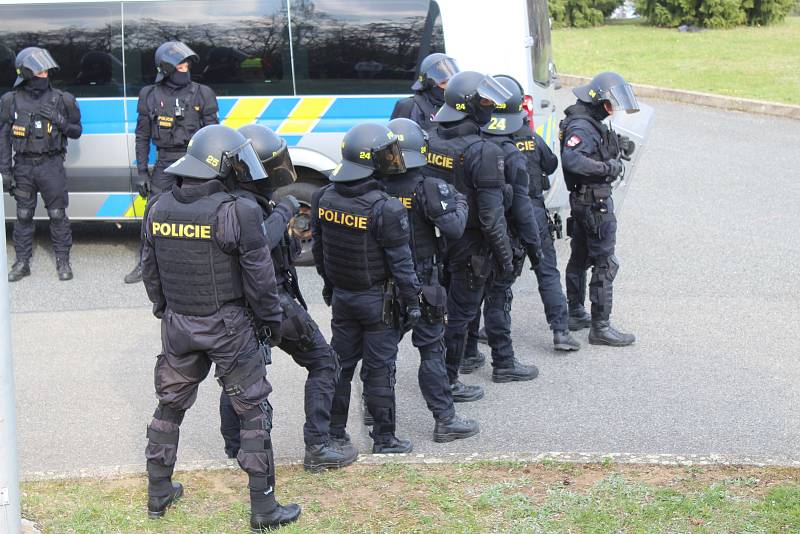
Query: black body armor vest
[446, 161]
[197, 277]
[174, 116]
[605, 151]
[32, 132]
[407, 188]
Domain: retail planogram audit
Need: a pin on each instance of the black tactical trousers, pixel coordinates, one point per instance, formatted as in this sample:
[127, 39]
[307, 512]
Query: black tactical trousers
[463, 305]
[190, 345]
[303, 341]
[160, 180]
[358, 332]
[547, 274]
[45, 175]
[593, 234]
[428, 337]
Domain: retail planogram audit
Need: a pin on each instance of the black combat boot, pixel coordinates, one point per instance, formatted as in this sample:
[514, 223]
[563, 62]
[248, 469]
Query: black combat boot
[135, 275]
[341, 441]
[365, 415]
[63, 268]
[454, 428]
[390, 444]
[266, 513]
[158, 500]
[19, 270]
[602, 333]
[579, 318]
[482, 337]
[563, 340]
[329, 455]
[472, 363]
[464, 393]
[514, 371]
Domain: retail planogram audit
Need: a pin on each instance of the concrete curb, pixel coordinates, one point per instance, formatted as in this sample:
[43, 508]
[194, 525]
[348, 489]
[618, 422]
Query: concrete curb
[452, 458]
[701, 99]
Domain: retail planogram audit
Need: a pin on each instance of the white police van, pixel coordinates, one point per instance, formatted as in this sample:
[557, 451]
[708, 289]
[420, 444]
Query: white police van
[309, 69]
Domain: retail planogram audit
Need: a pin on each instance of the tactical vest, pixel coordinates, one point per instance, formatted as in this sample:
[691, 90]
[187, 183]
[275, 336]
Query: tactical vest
[175, 116]
[446, 161]
[539, 181]
[31, 131]
[197, 277]
[353, 258]
[605, 151]
[423, 233]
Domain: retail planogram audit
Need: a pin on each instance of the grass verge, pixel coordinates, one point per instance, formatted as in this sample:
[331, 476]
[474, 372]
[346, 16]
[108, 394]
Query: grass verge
[481, 497]
[760, 63]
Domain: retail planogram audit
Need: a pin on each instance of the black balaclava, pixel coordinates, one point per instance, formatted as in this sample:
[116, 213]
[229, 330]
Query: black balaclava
[179, 79]
[437, 95]
[37, 84]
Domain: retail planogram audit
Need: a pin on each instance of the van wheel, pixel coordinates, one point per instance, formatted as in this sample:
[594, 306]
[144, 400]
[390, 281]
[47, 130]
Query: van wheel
[300, 225]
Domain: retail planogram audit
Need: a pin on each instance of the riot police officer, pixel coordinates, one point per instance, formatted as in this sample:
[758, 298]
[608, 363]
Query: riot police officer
[436, 212]
[207, 269]
[300, 335]
[434, 73]
[170, 112]
[590, 156]
[525, 240]
[461, 156]
[361, 250]
[35, 121]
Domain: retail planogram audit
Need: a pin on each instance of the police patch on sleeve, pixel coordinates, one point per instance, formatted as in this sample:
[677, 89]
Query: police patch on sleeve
[573, 141]
[404, 222]
[501, 165]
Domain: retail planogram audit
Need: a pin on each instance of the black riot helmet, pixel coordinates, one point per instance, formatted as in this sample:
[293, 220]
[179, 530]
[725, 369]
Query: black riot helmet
[274, 156]
[464, 95]
[507, 118]
[413, 142]
[366, 149]
[610, 87]
[434, 69]
[217, 151]
[31, 61]
[171, 54]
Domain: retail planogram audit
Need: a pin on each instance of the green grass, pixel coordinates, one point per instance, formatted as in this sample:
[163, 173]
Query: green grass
[759, 63]
[485, 497]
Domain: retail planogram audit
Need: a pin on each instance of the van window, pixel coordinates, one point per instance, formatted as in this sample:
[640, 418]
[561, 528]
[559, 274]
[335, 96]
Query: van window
[84, 39]
[360, 46]
[243, 45]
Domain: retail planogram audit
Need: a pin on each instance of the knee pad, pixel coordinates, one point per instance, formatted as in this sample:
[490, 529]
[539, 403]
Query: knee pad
[607, 267]
[257, 418]
[380, 383]
[24, 215]
[500, 300]
[247, 372]
[168, 413]
[434, 351]
[59, 214]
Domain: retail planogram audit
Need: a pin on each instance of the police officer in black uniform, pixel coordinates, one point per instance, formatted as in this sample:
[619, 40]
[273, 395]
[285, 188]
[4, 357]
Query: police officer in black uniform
[170, 112]
[461, 156]
[436, 212]
[300, 335]
[207, 270]
[590, 156]
[35, 121]
[434, 73]
[525, 239]
[361, 250]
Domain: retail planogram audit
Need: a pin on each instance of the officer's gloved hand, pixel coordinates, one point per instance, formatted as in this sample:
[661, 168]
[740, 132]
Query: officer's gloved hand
[60, 121]
[535, 255]
[8, 181]
[272, 333]
[615, 168]
[327, 294]
[626, 146]
[142, 183]
[506, 271]
[291, 202]
[411, 317]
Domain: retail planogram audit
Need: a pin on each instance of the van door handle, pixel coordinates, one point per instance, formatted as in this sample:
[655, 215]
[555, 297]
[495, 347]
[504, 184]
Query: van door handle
[545, 104]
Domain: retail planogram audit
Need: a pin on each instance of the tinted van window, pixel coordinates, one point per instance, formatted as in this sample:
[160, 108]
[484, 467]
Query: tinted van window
[243, 44]
[361, 46]
[85, 40]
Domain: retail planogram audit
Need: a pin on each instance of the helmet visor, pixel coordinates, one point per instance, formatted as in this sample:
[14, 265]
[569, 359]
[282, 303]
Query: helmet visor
[245, 163]
[177, 53]
[442, 70]
[622, 97]
[39, 61]
[493, 90]
[389, 159]
[279, 167]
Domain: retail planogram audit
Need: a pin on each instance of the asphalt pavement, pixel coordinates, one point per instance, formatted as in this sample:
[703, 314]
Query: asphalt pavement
[708, 245]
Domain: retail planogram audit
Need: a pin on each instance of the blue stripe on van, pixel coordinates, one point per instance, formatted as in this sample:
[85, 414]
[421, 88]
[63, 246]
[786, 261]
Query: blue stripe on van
[345, 113]
[102, 116]
[115, 205]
